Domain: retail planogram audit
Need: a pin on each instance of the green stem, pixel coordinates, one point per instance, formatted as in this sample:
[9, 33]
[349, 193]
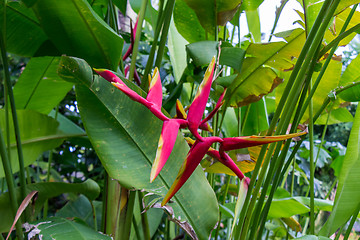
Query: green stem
[94, 214]
[352, 222]
[15, 119]
[278, 12]
[341, 36]
[10, 182]
[150, 62]
[328, 59]
[137, 38]
[165, 30]
[137, 232]
[144, 217]
[312, 168]
[129, 215]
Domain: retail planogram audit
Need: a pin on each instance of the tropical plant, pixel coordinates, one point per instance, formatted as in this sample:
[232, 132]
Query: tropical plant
[90, 114]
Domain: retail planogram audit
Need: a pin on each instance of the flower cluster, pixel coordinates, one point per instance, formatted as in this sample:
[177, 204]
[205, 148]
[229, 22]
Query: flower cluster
[193, 121]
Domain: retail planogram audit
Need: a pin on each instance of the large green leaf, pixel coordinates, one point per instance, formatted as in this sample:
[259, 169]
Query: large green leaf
[46, 190]
[76, 30]
[39, 87]
[64, 229]
[347, 197]
[39, 133]
[125, 136]
[350, 76]
[23, 31]
[187, 23]
[257, 77]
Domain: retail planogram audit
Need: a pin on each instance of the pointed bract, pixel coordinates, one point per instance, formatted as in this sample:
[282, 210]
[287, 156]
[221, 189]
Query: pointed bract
[250, 141]
[193, 158]
[166, 143]
[217, 107]
[155, 90]
[180, 112]
[198, 105]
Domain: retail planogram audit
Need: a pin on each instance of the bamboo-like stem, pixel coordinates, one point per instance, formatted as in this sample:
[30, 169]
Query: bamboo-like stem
[312, 168]
[135, 50]
[10, 182]
[15, 119]
[126, 227]
[149, 64]
[144, 217]
[352, 222]
[293, 89]
[165, 30]
[277, 16]
[328, 59]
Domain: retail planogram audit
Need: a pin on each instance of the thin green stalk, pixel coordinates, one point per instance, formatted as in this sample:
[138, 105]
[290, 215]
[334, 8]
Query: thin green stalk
[351, 224]
[94, 214]
[137, 38]
[278, 176]
[339, 232]
[278, 12]
[159, 23]
[312, 169]
[10, 183]
[331, 188]
[223, 203]
[328, 59]
[125, 233]
[307, 52]
[137, 232]
[340, 37]
[292, 178]
[14, 117]
[144, 217]
[165, 30]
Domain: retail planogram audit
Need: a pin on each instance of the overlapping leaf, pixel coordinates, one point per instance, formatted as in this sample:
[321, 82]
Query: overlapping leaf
[40, 81]
[38, 134]
[258, 78]
[125, 135]
[90, 38]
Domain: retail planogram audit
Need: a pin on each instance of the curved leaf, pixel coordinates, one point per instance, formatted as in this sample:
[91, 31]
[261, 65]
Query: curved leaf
[347, 197]
[350, 76]
[256, 68]
[125, 136]
[64, 229]
[39, 87]
[24, 35]
[46, 190]
[38, 134]
[90, 38]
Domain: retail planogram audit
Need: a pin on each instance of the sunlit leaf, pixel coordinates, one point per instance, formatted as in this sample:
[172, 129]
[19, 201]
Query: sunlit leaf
[347, 197]
[277, 55]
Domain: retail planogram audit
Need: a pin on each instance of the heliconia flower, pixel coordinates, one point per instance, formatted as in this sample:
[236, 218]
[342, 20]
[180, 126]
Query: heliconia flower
[193, 158]
[132, 40]
[216, 108]
[224, 158]
[181, 114]
[197, 107]
[155, 90]
[118, 83]
[250, 141]
[166, 143]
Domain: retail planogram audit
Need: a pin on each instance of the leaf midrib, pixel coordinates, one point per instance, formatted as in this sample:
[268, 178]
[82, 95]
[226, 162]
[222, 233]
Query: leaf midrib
[149, 162]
